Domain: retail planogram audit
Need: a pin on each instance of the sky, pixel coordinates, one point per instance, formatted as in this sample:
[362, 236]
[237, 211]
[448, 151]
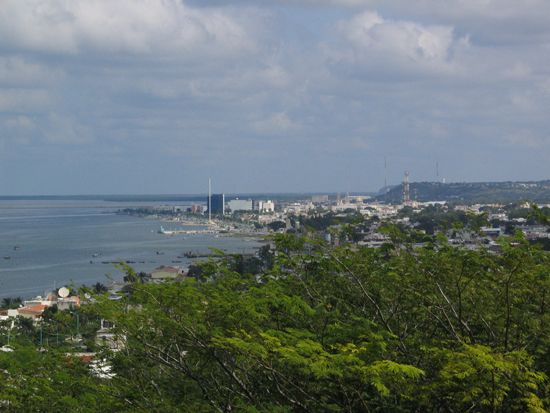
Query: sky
[155, 96]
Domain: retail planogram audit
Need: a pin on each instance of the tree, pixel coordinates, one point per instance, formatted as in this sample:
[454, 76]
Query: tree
[11, 302]
[100, 288]
[328, 329]
[276, 225]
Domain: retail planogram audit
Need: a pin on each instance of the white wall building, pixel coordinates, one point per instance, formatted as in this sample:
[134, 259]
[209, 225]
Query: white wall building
[265, 206]
[240, 205]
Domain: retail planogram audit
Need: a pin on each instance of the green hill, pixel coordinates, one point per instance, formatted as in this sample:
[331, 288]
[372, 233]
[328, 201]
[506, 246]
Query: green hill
[472, 192]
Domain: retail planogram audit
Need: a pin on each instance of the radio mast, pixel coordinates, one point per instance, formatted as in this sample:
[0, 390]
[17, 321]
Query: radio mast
[385, 174]
[209, 200]
[406, 189]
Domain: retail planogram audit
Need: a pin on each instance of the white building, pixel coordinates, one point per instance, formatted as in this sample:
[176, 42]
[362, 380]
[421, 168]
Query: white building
[319, 199]
[265, 206]
[240, 205]
[297, 208]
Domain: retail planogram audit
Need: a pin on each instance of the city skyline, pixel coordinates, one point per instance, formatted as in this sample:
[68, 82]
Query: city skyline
[153, 97]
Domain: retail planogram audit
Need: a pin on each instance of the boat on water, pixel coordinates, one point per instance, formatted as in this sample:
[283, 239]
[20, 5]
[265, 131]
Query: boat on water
[7, 257]
[192, 254]
[166, 232]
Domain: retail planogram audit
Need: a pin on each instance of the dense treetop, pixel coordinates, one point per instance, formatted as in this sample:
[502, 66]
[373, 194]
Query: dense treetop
[314, 328]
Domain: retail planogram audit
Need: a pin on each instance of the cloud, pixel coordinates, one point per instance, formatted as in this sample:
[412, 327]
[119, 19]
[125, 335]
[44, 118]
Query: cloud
[369, 32]
[24, 99]
[18, 129]
[493, 9]
[127, 26]
[16, 71]
[526, 139]
[222, 87]
[487, 21]
[65, 130]
[373, 45]
[275, 124]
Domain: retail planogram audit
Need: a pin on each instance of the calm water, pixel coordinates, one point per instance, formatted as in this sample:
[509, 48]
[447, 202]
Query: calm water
[51, 243]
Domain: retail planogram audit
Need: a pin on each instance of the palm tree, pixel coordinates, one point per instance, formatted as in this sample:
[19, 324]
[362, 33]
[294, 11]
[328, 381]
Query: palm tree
[11, 302]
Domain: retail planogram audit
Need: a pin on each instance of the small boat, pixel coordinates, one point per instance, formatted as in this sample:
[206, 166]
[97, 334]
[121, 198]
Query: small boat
[166, 232]
[7, 257]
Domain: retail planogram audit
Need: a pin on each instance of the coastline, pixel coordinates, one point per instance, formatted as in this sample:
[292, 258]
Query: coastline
[56, 246]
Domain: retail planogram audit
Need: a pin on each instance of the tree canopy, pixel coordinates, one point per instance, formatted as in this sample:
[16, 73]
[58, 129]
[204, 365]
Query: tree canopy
[323, 329]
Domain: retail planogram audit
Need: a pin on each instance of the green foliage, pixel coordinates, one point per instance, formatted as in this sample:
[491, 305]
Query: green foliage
[32, 381]
[472, 192]
[276, 225]
[319, 329]
[322, 221]
[11, 302]
[438, 218]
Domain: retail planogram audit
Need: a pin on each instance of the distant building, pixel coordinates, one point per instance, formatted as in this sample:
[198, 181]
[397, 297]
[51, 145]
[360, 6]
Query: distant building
[105, 337]
[263, 206]
[68, 303]
[164, 273]
[217, 203]
[491, 232]
[34, 308]
[33, 312]
[240, 205]
[296, 208]
[319, 199]
[196, 209]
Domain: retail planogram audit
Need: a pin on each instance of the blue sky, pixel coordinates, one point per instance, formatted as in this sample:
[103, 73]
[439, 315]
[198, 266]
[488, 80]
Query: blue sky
[154, 96]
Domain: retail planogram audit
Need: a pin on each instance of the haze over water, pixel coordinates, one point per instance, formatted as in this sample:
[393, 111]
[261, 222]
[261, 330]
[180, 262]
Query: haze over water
[51, 243]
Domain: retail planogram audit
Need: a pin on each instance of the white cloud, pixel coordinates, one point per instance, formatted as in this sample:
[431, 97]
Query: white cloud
[17, 71]
[20, 122]
[141, 81]
[369, 31]
[62, 129]
[360, 143]
[275, 124]
[18, 129]
[492, 9]
[393, 46]
[129, 26]
[526, 139]
[24, 100]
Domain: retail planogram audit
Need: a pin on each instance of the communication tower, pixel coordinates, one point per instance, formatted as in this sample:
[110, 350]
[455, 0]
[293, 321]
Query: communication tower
[385, 174]
[209, 200]
[406, 189]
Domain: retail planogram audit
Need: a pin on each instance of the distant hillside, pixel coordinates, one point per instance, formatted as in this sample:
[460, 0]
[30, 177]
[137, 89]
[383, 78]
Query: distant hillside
[472, 192]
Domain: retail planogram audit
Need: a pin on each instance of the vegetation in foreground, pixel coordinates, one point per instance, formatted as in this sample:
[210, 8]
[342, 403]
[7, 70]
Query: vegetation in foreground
[318, 329]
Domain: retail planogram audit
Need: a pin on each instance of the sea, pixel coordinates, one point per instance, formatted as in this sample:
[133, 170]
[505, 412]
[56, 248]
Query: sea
[49, 243]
